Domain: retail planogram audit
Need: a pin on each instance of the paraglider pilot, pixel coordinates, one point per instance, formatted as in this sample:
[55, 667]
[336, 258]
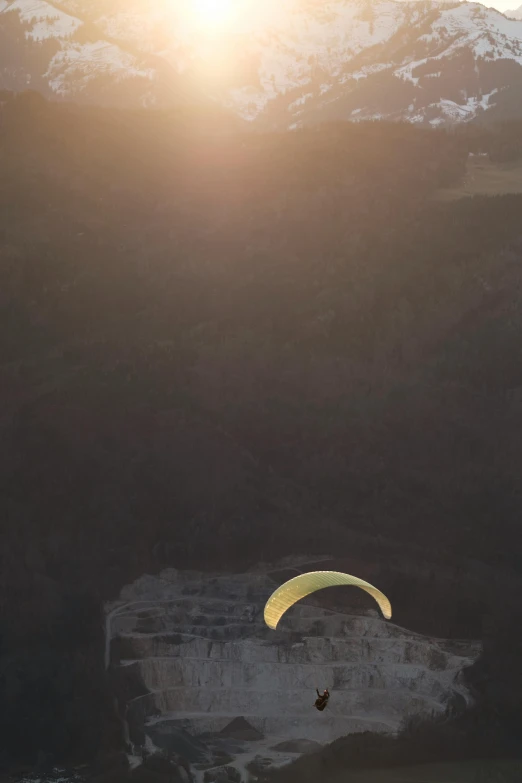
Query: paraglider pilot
[322, 699]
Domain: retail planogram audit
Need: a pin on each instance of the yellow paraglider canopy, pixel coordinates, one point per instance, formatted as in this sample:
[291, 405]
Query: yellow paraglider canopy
[300, 586]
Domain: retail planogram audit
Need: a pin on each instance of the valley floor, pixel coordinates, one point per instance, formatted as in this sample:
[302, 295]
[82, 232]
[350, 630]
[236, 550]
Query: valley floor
[484, 178]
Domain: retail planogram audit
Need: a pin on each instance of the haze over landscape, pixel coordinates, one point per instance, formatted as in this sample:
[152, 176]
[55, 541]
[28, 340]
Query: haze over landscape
[260, 392]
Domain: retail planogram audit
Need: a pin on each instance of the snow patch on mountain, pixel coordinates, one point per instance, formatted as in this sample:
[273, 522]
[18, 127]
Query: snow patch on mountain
[247, 102]
[329, 40]
[89, 60]
[286, 63]
[131, 28]
[363, 73]
[344, 28]
[81, 62]
[327, 43]
[484, 32]
[456, 112]
[47, 21]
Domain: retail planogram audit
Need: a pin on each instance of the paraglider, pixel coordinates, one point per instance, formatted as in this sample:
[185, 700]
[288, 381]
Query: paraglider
[300, 586]
[322, 699]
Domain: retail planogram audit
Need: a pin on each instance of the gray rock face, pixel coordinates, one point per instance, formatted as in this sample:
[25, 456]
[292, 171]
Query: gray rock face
[223, 774]
[213, 683]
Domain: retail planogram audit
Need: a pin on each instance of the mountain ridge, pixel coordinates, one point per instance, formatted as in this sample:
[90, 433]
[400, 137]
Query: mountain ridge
[515, 13]
[425, 61]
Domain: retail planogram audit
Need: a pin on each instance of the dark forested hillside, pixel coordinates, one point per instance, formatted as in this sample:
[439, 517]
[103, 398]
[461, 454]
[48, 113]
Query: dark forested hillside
[216, 349]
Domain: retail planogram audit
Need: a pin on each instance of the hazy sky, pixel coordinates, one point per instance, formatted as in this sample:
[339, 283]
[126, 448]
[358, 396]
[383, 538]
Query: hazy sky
[503, 5]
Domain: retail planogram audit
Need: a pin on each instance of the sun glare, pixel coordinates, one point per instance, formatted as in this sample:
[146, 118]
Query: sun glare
[216, 19]
[213, 15]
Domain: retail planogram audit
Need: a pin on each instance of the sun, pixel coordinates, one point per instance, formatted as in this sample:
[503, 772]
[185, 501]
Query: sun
[212, 15]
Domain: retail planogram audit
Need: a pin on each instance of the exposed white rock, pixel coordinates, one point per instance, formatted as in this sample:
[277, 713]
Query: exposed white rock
[200, 655]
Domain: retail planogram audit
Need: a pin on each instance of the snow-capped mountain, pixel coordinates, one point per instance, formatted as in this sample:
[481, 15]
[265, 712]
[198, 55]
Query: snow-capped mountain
[515, 14]
[296, 62]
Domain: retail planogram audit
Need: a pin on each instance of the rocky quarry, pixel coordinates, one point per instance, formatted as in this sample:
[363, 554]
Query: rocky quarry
[202, 678]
